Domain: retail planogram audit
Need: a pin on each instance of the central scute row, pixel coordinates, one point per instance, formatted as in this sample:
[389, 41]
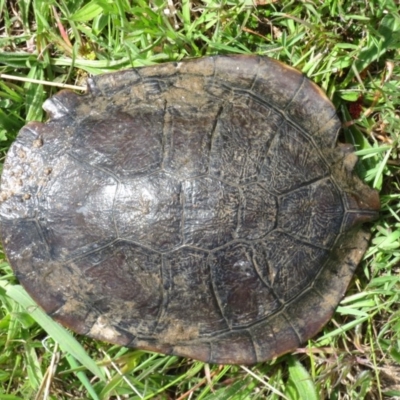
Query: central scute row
[160, 212]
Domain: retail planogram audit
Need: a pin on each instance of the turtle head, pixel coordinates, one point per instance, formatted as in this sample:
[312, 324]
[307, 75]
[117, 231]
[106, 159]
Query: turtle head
[362, 202]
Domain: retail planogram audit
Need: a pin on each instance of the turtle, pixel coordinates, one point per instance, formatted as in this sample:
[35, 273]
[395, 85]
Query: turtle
[200, 208]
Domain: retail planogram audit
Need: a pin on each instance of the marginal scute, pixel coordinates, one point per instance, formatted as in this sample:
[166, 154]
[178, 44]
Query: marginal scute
[26, 172]
[236, 74]
[275, 337]
[203, 67]
[234, 348]
[329, 285]
[313, 115]
[32, 263]
[279, 93]
[197, 208]
[109, 85]
[200, 352]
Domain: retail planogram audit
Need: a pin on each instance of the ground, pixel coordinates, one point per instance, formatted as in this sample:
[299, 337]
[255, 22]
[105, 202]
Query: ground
[351, 50]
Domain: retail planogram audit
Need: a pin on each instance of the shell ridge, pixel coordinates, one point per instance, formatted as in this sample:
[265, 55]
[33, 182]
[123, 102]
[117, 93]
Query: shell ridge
[296, 92]
[114, 219]
[165, 287]
[242, 205]
[303, 240]
[93, 166]
[76, 257]
[165, 277]
[182, 201]
[214, 292]
[289, 322]
[164, 137]
[256, 74]
[303, 185]
[255, 351]
[42, 236]
[213, 139]
[334, 118]
[270, 284]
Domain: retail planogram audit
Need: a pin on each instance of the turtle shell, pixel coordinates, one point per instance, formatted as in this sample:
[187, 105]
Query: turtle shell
[195, 208]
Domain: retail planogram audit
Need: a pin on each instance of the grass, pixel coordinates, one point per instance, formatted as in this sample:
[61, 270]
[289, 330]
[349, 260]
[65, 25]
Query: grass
[351, 49]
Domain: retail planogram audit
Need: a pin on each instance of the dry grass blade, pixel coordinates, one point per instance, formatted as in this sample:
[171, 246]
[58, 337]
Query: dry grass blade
[42, 82]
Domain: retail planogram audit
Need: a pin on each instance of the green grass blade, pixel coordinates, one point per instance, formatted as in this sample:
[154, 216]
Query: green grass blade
[87, 12]
[66, 341]
[302, 380]
[82, 377]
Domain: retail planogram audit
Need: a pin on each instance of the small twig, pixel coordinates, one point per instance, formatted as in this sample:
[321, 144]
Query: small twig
[40, 82]
[254, 33]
